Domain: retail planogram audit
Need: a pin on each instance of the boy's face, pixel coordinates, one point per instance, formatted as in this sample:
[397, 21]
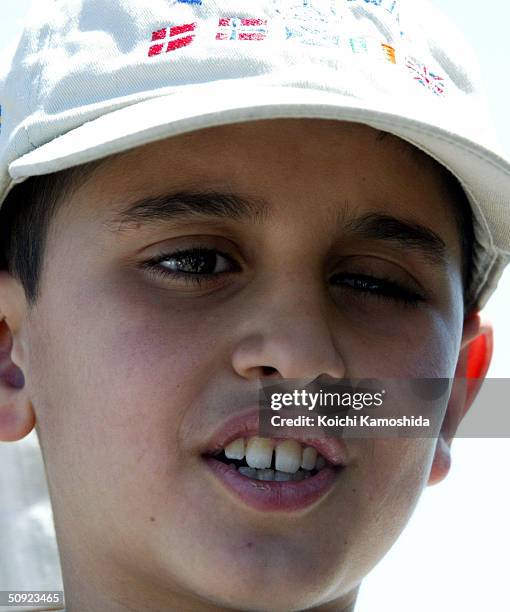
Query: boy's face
[131, 372]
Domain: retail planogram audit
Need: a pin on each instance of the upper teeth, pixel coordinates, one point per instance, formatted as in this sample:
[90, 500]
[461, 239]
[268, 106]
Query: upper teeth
[289, 454]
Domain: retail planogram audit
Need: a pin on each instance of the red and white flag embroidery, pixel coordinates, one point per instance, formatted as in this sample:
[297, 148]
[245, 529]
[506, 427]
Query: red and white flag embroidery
[428, 79]
[235, 28]
[172, 38]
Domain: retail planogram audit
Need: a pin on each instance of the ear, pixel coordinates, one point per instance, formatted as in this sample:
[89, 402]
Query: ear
[474, 359]
[17, 417]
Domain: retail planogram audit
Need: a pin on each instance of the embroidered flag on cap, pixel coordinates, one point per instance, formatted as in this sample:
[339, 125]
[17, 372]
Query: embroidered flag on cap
[172, 38]
[389, 52]
[423, 75]
[375, 49]
[312, 22]
[234, 28]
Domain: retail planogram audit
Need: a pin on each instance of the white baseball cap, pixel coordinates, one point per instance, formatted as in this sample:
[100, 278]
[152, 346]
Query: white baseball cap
[93, 78]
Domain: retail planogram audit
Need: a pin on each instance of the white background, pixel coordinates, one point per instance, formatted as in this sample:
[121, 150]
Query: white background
[454, 554]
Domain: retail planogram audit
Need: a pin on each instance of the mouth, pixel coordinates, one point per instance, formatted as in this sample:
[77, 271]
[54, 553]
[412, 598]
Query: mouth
[273, 474]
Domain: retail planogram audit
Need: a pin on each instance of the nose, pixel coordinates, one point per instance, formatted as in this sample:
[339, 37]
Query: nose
[286, 335]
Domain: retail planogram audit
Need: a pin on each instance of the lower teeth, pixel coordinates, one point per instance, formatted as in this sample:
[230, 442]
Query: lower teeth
[269, 474]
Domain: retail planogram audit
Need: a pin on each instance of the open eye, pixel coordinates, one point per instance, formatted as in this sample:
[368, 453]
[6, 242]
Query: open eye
[197, 264]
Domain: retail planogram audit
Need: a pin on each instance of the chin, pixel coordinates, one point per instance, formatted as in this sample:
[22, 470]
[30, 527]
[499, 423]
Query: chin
[281, 585]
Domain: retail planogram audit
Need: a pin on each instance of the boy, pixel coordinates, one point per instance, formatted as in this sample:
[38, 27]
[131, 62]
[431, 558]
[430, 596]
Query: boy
[212, 197]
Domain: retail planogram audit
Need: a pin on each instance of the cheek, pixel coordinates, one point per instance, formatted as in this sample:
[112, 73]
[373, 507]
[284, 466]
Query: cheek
[424, 344]
[390, 480]
[112, 382]
[399, 464]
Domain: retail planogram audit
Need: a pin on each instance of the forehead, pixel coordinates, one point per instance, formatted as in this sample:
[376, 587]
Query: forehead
[296, 138]
[304, 166]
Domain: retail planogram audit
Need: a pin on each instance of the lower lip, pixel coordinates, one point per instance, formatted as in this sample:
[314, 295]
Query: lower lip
[274, 496]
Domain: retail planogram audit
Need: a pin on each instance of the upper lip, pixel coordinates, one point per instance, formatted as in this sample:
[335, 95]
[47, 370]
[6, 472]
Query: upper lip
[246, 424]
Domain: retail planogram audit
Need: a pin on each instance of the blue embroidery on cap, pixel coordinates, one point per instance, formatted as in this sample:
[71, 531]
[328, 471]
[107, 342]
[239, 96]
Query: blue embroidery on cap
[190, 1]
[376, 49]
[358, 45]
[307, 9]
[388, 5]
[313, 22]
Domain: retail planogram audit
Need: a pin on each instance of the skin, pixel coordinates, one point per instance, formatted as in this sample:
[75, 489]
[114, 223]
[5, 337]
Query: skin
[127, 374]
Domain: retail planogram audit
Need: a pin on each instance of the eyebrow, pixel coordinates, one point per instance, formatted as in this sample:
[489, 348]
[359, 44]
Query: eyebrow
[403, 233]
[211, 205]
[190, 205]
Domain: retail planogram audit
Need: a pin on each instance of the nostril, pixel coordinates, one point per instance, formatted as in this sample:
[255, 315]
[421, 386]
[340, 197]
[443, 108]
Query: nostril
[268, 370]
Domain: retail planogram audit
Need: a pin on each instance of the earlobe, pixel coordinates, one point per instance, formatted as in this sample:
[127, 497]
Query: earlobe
[17, 418]
[441, 462]
[472, 366]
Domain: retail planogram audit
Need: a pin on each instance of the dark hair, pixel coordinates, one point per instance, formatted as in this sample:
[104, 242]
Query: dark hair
[27, 212]
[25, 218]
[463, 215]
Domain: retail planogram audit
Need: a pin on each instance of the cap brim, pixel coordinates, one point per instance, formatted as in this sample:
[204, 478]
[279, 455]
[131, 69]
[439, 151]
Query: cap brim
[484, 175]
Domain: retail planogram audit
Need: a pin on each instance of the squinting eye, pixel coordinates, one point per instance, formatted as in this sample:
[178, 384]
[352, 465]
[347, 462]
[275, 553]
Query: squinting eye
[197, 264]
[378, 288]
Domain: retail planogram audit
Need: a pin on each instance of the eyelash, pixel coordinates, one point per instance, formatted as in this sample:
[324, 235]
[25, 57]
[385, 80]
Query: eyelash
[154, 267]
[389, 289]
